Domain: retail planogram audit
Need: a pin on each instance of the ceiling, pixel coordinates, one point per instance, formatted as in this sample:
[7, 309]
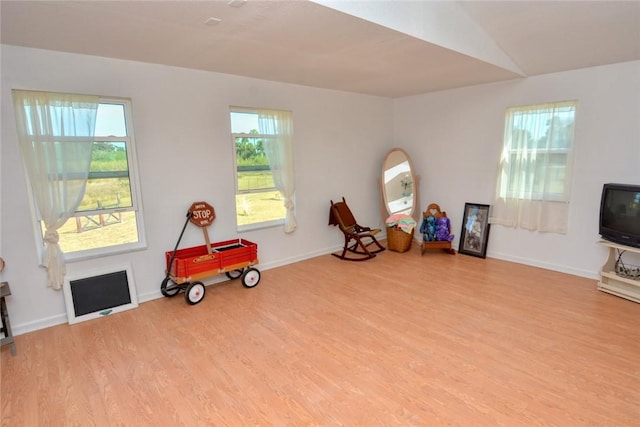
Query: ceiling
[384, 48]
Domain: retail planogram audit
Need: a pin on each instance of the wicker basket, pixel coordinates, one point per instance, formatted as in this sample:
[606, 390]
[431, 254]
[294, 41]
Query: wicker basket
[398, 240]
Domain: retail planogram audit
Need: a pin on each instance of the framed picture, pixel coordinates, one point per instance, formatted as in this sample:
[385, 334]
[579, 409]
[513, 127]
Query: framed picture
[475, 230]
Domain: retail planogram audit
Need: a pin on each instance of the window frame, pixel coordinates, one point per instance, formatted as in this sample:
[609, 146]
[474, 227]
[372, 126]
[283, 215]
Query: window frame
[136, 206]
[237, 191]
[509, 152]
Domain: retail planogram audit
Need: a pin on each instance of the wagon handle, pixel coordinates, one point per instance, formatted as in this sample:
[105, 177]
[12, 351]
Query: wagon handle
[173, 254]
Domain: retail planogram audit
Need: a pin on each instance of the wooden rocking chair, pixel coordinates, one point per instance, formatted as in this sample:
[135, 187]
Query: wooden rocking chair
[341, 215]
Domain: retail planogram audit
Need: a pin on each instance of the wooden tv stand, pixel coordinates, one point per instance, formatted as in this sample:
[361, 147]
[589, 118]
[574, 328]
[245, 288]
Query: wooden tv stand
[612, 283]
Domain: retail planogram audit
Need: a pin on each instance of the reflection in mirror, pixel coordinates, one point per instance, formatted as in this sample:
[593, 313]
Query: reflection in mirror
[398, 183]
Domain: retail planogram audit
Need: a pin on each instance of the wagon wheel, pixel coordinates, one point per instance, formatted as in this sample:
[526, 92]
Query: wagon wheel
[169, 288]
[251, 277]
[235, 274]
[194, 293]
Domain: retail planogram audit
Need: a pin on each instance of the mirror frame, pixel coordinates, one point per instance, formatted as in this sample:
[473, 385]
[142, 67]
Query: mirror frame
[414, 180]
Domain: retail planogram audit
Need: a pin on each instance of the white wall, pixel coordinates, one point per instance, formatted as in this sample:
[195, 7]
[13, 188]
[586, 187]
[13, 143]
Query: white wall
[455, 138]
[184, 150]
[185, 154]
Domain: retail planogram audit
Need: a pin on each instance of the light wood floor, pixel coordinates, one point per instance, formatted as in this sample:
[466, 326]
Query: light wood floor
[397, 340]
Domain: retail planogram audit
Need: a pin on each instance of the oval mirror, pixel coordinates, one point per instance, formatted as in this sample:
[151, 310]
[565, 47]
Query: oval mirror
[398, 183]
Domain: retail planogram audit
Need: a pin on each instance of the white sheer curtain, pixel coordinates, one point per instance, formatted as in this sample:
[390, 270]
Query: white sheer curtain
[534, 183]
[279, 151]
[55, 132]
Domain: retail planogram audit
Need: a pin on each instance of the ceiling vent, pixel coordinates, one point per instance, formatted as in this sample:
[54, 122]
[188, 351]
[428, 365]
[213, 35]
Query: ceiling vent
[237, 3]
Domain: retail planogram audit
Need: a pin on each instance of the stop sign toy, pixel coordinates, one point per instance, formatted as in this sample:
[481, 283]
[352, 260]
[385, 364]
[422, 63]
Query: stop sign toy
[202, 214]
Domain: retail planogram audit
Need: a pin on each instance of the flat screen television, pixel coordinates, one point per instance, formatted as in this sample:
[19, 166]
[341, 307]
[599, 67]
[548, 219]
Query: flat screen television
[620, 214]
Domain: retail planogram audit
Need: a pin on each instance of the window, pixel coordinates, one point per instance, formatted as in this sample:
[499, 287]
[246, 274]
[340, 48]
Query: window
[109, 218]
[262, 143]
[534, 183]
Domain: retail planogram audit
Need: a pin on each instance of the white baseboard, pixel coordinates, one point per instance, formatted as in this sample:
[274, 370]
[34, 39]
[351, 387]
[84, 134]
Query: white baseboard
[547, 266]
[36, 325]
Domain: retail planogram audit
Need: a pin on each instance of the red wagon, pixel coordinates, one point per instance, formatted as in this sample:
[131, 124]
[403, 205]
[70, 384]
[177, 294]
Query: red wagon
[186, 267]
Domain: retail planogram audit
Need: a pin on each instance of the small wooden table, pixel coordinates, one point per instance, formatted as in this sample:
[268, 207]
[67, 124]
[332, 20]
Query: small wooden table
[5, 291]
